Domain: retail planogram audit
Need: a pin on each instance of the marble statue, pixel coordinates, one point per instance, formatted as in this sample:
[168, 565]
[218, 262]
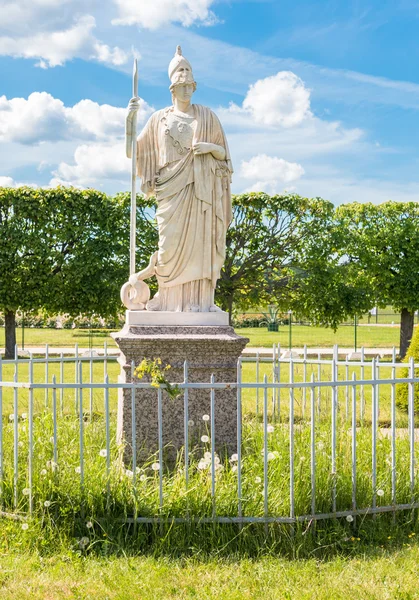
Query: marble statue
[182, 159]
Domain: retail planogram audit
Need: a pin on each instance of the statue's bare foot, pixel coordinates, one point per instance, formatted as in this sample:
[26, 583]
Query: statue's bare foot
[215, 308]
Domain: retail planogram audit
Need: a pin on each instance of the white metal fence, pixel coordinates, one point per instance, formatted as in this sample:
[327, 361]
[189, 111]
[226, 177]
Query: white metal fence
[316, 439]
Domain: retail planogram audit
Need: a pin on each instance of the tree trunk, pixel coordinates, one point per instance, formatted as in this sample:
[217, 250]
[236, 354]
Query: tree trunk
[406, 330]
[10, 331]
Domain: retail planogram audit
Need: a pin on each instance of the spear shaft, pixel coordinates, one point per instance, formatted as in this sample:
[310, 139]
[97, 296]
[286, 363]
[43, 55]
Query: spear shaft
[133, 218]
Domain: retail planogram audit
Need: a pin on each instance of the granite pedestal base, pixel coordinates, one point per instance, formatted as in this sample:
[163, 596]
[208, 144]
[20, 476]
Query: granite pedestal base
[208, 350]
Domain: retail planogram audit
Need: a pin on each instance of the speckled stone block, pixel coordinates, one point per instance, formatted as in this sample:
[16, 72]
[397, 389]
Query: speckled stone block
[208, 350]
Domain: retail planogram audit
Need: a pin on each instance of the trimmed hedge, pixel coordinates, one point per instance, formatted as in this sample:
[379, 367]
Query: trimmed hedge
[402, 396]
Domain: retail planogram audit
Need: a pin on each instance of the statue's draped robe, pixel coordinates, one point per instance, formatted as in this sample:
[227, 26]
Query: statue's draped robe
[193, 208]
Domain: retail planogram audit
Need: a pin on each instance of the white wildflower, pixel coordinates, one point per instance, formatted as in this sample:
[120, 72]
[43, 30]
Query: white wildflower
[84, 541]
[204, 439]
[207, 455]
[270, 428]
[47, 503]
[234, 468]
[11, 417]
[78, 469]
[24, 416]
[234, 458]
[89, 525]
[191, 423]
[26, 491]
[129, 473]
[25, 526]
[143, 477]
[205, 417]
[349, 518]
[380, 492]
[43, 472]
[258, 479]
[103, 453]
[155, 466]
[271, 456]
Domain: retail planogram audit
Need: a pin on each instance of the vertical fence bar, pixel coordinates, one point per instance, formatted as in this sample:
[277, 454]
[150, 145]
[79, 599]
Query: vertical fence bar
[257, 389]
[15, 437]
[291, 441]
[1, 433]
[265, 448]
[239, 438]
[374, 433]
[76, 378]
[313, 446]
[186, 422]
[91, 389]
[105, 357]
[54, 420]
[133, 429]
[354, 441]
[334, 419]
[81, 424]
[108, 440]
[362, 391]
[412, 426]
[278, 411]
[62, 381]
[393, 434]
[160, 425]
[46, 374]
[377, 368]
[304, 380]
[319, 378]
[30, 434]
[273, 378]
[212, 417]
[346, 388]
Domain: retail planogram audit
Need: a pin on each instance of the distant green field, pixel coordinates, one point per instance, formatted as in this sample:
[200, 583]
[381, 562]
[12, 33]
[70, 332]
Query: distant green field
[368, 336]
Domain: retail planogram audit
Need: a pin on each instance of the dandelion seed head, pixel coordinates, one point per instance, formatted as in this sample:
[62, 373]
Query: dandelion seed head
[103, 453]
[43, 472]
[26, 491]
[234, 468]
[25, 526]
[191, 423]
[11, 417]
[47, 503]
[129, 473]
[270, 428]
[207, 455]
[89, 525]
[78, 469]
[155, 466]
[349, 518]
[203, 464]
[24, 416]
[234, 457]
[205, 417]
[84, 541]
[204, 439]
[380, 492]
[143, 477]
[271, 456]
[258, 479]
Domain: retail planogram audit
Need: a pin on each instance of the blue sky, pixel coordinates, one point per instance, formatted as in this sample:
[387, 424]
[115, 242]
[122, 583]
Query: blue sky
[320, 98]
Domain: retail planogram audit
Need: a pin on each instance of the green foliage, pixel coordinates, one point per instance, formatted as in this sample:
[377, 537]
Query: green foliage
[156, 373]
[263, 241]
[402, 395]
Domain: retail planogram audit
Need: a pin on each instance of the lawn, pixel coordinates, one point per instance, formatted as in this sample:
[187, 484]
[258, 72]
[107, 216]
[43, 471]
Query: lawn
[368, 336]
[387, 573]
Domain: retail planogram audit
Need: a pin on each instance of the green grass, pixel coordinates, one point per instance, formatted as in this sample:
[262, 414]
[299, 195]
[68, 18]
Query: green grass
[368, 336]
[384, 574]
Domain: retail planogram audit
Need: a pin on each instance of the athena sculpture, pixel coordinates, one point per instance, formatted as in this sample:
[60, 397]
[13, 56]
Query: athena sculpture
[183, 160]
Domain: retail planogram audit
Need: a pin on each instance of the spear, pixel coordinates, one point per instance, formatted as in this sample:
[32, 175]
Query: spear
[133, 219]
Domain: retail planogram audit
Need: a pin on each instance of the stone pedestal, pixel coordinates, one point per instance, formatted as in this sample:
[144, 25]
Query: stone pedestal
[209, 349]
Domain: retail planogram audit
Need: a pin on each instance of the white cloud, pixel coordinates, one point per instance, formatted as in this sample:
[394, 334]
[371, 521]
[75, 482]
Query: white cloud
[157, 13]
[55, 47]
[42, 117]
[6, 181]
[281, 99]
[94, 165]
[271, 168]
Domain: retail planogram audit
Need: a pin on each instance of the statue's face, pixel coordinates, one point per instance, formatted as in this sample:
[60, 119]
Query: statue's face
[183, 92]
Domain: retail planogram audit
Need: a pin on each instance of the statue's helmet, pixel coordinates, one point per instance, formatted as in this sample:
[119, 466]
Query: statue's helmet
[180, 70]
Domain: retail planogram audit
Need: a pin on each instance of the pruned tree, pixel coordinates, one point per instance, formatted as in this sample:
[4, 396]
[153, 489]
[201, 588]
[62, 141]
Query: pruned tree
[382, 245]
[264, 243]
